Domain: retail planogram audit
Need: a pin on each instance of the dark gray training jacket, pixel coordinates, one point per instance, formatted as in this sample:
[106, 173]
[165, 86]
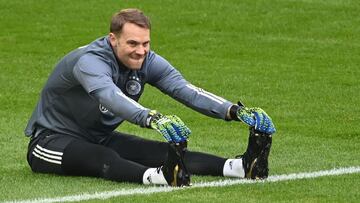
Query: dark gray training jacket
[90, 93]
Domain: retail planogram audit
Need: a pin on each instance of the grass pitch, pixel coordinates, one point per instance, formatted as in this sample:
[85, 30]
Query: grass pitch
[298, 60]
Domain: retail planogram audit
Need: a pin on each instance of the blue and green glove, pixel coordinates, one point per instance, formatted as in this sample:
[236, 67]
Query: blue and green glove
[253, 117]
[171, 127]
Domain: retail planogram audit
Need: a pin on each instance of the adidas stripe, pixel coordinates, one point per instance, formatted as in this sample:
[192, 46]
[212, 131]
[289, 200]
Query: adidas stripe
[206, 94]
[47, 155]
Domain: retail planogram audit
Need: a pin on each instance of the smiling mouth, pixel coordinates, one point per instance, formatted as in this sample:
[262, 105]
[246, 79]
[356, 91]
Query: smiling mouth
[137, 58]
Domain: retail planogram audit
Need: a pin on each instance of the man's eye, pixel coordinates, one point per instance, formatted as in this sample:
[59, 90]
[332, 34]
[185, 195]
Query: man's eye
[132, 43]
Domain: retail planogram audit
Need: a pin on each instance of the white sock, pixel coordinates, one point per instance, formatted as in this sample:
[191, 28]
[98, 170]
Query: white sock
[154, 176]
[234, 168]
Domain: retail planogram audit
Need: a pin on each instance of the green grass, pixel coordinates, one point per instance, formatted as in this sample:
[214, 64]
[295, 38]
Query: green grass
[296, 59]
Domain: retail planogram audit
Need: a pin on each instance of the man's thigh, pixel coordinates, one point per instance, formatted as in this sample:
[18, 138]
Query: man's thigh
[147, 152]
[67, 155]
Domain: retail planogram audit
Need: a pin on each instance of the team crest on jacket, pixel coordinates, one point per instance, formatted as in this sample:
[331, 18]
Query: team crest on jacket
[133, 86]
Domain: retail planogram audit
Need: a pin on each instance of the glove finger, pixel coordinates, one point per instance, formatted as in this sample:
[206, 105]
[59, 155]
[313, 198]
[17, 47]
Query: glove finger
[271, 129]
[258, 120]
[246, 115]
[249, 121]
[177, 135]
[166, 129]
[182, 133]
[185, 132]
[166, 135]
[182, 129]
[264, 123]
[166, 132]
[174, 128]
[174, 131]
[267, 124]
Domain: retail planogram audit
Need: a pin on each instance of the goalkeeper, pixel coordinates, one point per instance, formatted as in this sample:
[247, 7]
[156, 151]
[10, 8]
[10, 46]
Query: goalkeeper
[94, 88]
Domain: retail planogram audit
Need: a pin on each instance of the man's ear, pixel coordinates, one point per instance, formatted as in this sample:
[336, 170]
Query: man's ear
[113, 39]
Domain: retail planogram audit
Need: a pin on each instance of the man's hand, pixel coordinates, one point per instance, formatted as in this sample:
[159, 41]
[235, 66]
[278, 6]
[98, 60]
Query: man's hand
[256, 117]
[176, 133]
[171, 127]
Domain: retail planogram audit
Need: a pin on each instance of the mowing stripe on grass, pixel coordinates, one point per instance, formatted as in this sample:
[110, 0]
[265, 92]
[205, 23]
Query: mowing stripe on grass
[222, 183]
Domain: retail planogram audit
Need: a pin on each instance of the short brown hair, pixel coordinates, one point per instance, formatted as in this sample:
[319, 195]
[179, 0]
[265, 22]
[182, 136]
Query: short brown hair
[130, 15]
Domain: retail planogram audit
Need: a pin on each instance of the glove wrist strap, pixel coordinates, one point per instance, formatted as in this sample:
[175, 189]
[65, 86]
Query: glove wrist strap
[150, 117]
[233, 112]
[234, 109]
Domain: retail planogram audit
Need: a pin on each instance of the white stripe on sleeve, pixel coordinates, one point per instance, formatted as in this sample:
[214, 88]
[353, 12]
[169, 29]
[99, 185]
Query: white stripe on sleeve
[129, 99]
[206, 94]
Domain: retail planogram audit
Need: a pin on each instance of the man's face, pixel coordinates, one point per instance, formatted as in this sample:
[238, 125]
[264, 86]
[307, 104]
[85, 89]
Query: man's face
[132, 45]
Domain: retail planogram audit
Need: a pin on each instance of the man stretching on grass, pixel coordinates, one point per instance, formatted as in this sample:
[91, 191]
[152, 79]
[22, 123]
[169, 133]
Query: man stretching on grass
[94, 88]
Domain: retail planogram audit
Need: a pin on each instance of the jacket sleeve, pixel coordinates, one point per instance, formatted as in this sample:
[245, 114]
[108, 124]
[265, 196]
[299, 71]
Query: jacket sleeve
[166, 78]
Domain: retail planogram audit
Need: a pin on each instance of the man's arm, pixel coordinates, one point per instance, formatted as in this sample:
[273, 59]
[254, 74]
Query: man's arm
[166, 78]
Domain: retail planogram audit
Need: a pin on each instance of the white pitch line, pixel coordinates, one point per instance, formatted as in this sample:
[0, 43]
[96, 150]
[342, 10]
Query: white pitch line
[221, 183]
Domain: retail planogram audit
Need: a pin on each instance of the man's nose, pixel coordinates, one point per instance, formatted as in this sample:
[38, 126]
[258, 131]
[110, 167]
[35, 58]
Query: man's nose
[141, 50]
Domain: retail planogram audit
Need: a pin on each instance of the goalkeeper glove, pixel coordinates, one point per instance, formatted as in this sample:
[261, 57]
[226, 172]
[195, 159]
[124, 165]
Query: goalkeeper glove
[170, 126]
[253, 117]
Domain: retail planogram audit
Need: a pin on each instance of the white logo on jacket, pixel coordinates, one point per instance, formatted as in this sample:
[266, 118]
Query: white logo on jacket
[104, 110]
